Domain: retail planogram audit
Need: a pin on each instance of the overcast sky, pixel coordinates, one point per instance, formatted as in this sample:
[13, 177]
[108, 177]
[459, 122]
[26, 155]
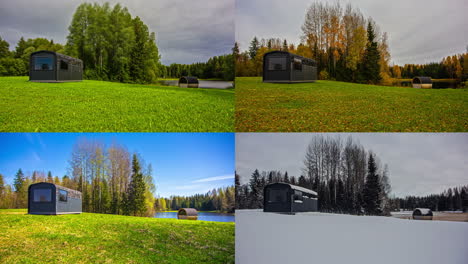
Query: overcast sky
[420, 31]
[419, 163]
[187, 31]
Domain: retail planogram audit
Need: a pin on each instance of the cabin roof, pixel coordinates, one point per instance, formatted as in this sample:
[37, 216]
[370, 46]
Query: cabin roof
[59, 55]
[189, 211]
[75, 192]
[286, 52]
[423, 79]
[188, 79]
[295, 187]
[424, 211]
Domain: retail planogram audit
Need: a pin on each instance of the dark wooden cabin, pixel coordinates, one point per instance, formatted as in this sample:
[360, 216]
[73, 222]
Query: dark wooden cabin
[49, 66]
[50, 199]
[288, 198]
[285, 67]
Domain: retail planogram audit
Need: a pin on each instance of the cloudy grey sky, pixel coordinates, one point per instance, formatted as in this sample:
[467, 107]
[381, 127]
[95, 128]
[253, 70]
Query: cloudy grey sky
[420, 31]
[419, 164]
[186, 30]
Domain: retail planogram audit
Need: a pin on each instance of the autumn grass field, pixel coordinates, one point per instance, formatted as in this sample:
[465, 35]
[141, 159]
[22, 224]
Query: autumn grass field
[97, 106]
[101, 238]
[329, 106]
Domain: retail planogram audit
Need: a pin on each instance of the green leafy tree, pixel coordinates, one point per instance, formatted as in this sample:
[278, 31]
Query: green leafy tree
[4, 49]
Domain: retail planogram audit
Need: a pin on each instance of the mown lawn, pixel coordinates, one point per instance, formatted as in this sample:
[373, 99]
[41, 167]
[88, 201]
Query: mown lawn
[100, 238]
[96, 106]
[328, 106]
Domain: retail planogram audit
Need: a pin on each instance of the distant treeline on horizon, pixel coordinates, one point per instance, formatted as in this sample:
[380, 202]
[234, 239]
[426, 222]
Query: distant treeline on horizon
[451, 199]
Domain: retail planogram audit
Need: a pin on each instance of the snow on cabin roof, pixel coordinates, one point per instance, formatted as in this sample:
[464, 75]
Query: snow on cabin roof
[302, 189]
[423, 210]
[299, 188]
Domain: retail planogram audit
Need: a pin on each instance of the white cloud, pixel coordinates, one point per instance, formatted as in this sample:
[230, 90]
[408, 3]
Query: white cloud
[217, 178]
[36, 156]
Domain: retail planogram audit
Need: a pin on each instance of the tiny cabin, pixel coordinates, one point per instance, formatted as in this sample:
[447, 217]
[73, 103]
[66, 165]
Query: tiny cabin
[49, 66]
[187, 213]
[288, 198]
[422, 214]
[422, 82]
[50, 199]
[285, 67]
[188, 82]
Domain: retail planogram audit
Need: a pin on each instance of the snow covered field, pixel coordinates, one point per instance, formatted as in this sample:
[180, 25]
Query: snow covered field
[333, 238]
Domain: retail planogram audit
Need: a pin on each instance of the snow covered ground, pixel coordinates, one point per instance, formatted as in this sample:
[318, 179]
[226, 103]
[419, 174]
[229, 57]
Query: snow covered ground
[333, 238]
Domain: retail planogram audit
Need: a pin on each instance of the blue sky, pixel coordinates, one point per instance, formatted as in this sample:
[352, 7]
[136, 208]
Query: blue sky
[183, 163]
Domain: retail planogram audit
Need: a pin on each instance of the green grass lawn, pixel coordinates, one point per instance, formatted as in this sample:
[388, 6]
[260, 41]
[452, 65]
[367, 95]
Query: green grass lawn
[327, 106]
[97, 106]
[100, 238]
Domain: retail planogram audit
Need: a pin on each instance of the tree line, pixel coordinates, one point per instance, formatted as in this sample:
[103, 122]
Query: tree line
[220, 199]
[346, 46]
[347, 178]
[16, 63]
[217, 67]
[451, 199]
[451, 67]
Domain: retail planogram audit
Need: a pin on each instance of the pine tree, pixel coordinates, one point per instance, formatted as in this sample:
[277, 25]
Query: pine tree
[256, 191]
[285, 45]
[370, 68]
[286, 177]
[254, 46]
[20, 189]
[372, 197]
[49, 177]
[136, 193]
[19, 181]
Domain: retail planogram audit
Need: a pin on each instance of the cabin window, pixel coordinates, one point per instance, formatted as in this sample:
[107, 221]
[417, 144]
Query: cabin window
[278, 196]
[43, 64]
[63, 65]
[297, 64]
[277, 64]
[42, 196]
[63, 196]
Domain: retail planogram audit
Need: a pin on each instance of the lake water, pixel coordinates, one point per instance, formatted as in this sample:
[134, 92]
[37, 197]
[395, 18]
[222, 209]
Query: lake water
[204, 216]
[436, 84]
[202, 84]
